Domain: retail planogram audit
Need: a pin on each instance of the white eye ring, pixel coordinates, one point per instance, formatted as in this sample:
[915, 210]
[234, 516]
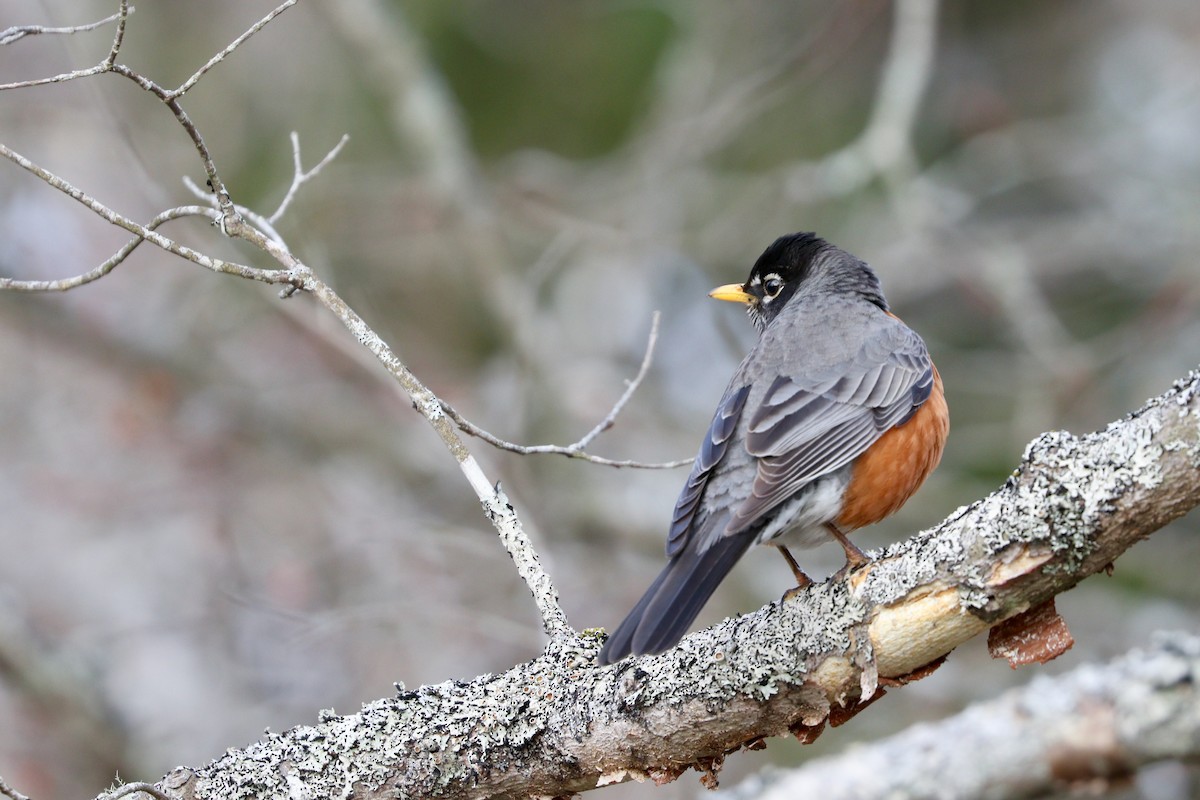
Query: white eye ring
[772, 285]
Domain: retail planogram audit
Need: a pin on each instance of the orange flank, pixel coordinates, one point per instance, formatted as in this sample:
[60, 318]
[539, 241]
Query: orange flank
[893, 468]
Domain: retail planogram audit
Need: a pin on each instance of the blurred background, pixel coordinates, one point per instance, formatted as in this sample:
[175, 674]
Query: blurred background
[218, 516]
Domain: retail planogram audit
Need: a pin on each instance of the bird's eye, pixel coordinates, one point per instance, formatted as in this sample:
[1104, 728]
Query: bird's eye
[772, 285]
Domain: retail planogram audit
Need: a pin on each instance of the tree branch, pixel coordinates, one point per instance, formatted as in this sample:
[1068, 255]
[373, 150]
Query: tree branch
[11, 35]
[75, 281]
[558, 725]
[1086, 729]
[18, 32]
[295, 276]
[234, 45]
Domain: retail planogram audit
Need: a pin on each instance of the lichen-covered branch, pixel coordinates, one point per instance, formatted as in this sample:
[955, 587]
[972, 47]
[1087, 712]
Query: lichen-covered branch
[1090, 728]
[558, 724]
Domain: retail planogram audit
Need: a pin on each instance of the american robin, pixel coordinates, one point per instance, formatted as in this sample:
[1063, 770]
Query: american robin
[831, 423]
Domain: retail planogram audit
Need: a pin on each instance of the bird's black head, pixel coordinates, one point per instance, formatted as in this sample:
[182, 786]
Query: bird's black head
[800, 262]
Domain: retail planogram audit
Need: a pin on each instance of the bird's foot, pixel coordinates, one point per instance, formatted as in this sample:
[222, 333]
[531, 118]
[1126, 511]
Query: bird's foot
[855, 557]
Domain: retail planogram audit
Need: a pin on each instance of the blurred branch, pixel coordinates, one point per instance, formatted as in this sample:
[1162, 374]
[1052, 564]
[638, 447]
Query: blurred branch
[297, 276]
[884, 148]
[556, 725]
[1088, 729]
[579, 448]
[62, 686]
[423, 113]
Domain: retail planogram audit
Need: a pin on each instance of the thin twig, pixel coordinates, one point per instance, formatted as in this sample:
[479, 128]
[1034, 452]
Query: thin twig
[611, 419]
[65, 76]
[171, 100]
[579, 448]
[119, 36]
[300, 177]
[157, 239]
[18, 32]
[9, 792]
[495, 503]
[133, 788]
[104, 66]
[235, 44]
[569, 451]
[64, 284]
[253, 216]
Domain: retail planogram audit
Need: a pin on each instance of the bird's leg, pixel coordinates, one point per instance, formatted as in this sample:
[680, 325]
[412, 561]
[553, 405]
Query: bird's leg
[855, 558]
[802, 580]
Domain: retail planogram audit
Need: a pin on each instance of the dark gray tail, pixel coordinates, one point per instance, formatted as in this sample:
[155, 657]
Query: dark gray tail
[667, 609]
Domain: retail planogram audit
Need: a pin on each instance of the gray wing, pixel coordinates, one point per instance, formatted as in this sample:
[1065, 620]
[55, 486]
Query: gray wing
[711, 452]
[809, 425]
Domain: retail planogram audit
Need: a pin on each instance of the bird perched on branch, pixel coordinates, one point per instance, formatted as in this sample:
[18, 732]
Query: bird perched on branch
[831, 423]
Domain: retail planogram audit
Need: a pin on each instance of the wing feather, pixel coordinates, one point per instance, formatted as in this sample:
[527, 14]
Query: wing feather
[712, 450]
[808, 426]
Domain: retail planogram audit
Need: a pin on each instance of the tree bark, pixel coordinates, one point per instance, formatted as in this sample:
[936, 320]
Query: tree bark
[558, 724]
[1085, 730]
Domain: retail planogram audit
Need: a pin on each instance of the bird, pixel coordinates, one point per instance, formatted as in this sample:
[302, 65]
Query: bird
[832, 421]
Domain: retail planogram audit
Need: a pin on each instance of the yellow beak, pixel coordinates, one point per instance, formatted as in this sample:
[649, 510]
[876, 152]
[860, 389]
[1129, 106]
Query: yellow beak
[733, 292]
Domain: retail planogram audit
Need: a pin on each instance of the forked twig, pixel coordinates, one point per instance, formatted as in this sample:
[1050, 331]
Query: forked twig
[300, 177]
[64, 284]
[579, 448]
[104, 66]
[141, 231]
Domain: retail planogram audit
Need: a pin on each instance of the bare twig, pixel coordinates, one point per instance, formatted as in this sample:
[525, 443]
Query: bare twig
[104, 66]
[64, 284]
[143, 232]
[18, 32]
[609, 420]
[9, 792]
[171, 100]
[235, 44]
[133, 788]
[300, 177]
[170, 97]
[123, 13]
[579, 448]
[256, 219]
